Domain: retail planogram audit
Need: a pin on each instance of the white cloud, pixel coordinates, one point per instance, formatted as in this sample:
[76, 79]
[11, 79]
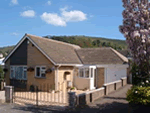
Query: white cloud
[28, 13]
[66, 16]
[73, 16]
[49, 2]
[14, 2]
[15, 34]
[53, 18]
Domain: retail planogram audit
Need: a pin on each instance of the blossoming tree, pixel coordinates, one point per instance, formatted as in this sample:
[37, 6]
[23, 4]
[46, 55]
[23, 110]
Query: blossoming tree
[136, 30]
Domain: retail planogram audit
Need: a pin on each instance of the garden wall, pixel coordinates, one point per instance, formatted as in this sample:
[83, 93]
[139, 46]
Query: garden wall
[91, 96]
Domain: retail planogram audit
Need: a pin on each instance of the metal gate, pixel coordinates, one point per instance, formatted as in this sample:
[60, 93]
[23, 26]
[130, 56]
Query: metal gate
[42, 94]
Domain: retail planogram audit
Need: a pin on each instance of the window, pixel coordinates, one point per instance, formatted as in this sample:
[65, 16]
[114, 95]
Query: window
[40, 71]
[25, 72]
[18, 72]
[81, 72]
[87, 72]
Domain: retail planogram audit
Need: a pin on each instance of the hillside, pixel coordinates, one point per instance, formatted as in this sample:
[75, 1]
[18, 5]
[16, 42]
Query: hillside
[6, 50]
[82, 41]
[86, 41]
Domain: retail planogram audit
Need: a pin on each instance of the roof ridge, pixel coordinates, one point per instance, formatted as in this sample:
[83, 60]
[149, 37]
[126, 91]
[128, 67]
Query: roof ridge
[73, 45]
[96, 48]
[120, 55]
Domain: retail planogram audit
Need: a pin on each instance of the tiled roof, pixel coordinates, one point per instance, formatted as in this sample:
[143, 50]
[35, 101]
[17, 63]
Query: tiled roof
[104, 55]
[59, 52]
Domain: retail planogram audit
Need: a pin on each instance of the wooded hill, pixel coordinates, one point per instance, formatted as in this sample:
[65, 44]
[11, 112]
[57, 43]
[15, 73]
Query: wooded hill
[82, 41]
[91, 42]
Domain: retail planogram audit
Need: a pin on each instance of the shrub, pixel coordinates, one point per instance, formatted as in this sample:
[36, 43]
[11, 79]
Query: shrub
[139, 95]
[72, 88]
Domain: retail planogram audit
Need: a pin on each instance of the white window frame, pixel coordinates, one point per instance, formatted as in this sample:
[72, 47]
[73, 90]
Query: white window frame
[41, 71]
[85, 67]
[12, 67]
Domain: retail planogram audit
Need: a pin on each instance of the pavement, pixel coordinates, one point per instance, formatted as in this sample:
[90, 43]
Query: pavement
[115, 102]
[2, 96]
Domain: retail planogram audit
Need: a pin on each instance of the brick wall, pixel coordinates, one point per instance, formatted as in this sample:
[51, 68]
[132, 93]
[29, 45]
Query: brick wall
[118, 85]
[36, 58]
[90, 96]
[100, 77]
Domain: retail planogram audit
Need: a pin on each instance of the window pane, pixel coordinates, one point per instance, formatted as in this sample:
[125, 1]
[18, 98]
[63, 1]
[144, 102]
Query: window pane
[87, 72]
[43, 75]
[91, 72]
[20, 72]
[81, 74]
[25, 73]
[38, 71]
[43, 69]
[16, 73]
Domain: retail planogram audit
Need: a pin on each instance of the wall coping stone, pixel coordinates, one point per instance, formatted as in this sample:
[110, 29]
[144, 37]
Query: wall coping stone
[88, 92]
[112, 82]
[9, 86]
[123, 77]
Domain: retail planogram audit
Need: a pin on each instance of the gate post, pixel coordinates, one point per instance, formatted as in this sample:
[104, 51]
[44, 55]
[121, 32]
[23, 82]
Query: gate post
[9, 90]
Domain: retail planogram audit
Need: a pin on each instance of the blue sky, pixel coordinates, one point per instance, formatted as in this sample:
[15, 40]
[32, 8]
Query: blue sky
[99, 18]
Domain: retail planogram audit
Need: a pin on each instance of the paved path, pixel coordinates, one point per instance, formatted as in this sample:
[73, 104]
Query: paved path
[115, 102]
[2, 96]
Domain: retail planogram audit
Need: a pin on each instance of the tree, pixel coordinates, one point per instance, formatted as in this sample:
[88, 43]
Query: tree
[104, 44]
[119, 47]
[98, 42]
[108, 44]
[136, 30]
[94, 43]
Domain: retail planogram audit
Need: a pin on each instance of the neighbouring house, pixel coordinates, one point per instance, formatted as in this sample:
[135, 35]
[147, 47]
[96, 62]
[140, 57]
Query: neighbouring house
[127, 54]
[1, 62]
[1, 55]
[40, 60]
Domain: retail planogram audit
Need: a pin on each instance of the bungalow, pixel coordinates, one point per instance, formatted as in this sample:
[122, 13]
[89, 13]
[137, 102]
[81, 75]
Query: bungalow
[40, 60]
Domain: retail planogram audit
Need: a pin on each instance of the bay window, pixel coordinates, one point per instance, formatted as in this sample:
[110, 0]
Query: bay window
[40, 71]
[18, 72]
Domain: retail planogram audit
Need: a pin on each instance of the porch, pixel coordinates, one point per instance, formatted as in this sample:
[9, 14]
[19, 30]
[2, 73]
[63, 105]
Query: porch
[85, 78]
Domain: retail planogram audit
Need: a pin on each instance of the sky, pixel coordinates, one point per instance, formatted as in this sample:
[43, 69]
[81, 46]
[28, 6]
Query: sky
[98, 18]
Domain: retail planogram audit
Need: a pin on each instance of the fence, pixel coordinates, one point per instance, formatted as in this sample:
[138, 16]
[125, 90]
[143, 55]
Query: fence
[42, 94]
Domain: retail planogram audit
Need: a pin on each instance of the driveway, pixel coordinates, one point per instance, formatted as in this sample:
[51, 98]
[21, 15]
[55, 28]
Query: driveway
[115, 102]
